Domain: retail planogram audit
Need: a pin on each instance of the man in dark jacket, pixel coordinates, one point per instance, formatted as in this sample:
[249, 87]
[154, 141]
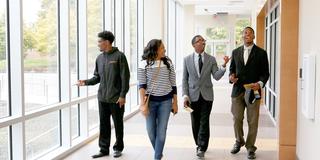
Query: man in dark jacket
[249, 66]
[112, 72]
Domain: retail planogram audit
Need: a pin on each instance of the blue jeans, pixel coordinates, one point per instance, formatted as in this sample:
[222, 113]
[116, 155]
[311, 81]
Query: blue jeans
[157, 122]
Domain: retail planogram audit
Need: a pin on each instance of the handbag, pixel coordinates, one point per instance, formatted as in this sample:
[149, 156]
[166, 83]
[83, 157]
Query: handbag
[145, 107]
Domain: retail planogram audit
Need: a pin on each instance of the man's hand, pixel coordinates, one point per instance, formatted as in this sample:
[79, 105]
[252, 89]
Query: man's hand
[121, 101]
[186, 101]
[226, 60]
[232, 78]
[81, 83]
[255, 86]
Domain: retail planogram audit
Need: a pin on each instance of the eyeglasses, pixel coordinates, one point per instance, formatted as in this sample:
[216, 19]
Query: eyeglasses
[203, 40]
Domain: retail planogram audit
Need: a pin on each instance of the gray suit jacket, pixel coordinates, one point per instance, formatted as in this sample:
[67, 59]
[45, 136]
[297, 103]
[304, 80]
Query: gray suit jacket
[193, 85]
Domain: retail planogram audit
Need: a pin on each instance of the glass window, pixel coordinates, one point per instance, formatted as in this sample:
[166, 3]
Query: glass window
[73, 47]
[4, 143]
[272, 45]
[208, 48]
[220, 50]
[132, 56]
[75, 121]
[4, 109]
[93, 114]
[113, 11]
[95, 25]
[275, 55]
[131, 99]
[240, 25]
[42, 134]
[266, 39]
[133, 39]
[217, 33]
[41, 77]
[266, 22]
[271, 52]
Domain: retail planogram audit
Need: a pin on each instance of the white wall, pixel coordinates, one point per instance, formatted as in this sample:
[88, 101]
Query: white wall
[188, 27]
[153, 20]
[308, 131]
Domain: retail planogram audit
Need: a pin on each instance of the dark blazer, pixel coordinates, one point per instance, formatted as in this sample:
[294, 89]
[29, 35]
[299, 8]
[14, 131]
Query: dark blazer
[256, 69]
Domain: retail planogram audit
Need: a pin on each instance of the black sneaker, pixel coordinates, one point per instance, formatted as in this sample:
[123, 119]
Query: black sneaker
[251, 155]
[236, 148]
[100, 154]
[117, 154]
[200, 153]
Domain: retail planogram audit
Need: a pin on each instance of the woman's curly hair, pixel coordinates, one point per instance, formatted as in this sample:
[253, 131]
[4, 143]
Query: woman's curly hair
[150, 53]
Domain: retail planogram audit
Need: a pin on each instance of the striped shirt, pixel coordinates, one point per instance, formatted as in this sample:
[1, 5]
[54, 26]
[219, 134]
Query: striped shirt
[161, 87]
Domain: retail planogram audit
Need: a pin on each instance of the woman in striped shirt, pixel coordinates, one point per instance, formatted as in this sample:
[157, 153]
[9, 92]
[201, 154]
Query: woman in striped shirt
[157, 77]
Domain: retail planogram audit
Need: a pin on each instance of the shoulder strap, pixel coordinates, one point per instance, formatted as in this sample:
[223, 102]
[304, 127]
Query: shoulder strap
[155, 77]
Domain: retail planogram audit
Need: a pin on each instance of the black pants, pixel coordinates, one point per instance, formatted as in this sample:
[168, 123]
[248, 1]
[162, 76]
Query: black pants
[200, 118]
[105, 110]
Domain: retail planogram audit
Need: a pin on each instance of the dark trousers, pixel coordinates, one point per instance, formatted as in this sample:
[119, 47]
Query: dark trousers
[200, 118]
[105, 111]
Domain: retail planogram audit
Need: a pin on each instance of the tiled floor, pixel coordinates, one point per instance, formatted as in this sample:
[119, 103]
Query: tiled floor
[180, 145]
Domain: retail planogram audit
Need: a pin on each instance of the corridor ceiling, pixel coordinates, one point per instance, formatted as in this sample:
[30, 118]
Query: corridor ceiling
[224, 7]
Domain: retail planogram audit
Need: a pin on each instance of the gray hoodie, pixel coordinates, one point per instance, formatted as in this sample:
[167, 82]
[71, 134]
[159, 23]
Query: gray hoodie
[112, 71]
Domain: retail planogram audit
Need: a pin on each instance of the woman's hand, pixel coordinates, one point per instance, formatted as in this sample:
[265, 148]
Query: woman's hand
[144, 107]
[174, 106]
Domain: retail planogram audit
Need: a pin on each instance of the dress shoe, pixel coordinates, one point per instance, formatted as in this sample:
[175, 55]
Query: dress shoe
[236, 148]
[200, 153]
[117, 154]
[251, 155]
[100, 154]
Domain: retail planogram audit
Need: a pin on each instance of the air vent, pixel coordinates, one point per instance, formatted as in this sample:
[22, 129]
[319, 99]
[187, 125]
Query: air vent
[222, 13]
[236, 1]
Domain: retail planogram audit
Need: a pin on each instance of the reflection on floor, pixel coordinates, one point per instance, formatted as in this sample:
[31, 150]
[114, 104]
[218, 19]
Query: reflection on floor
[180, 145]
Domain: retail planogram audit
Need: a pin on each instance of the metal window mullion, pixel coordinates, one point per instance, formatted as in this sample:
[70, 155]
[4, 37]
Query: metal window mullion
[65, 73]
[83, 65]
[127, 31]
[17, 79]
[127, 45]
[140, 26]
[140, 35]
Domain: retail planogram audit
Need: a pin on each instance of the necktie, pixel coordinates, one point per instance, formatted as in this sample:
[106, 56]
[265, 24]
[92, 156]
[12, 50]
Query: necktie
[200, 63]
[245, 55]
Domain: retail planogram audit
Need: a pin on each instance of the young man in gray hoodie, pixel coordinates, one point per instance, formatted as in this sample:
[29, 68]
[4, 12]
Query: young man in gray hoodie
[112, 72]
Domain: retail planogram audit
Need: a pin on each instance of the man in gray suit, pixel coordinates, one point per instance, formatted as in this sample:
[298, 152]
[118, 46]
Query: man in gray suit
[197, 89]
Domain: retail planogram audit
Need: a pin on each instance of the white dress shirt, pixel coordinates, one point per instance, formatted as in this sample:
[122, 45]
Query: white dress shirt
[246, 53]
